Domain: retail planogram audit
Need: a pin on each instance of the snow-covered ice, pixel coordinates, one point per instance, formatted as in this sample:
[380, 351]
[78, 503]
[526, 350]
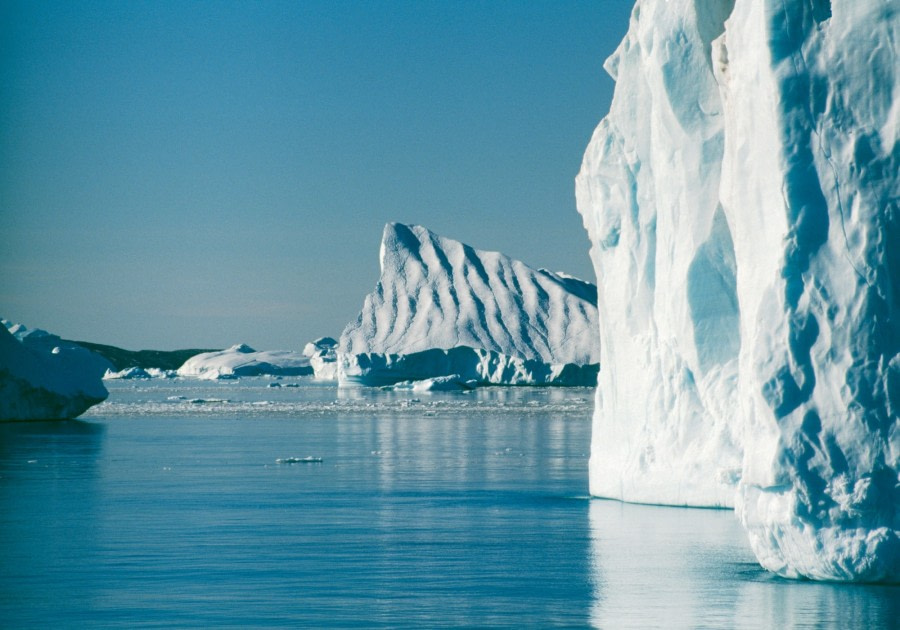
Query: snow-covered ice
[242, 360]
[478, 314]
[42, 378]
[742, 201]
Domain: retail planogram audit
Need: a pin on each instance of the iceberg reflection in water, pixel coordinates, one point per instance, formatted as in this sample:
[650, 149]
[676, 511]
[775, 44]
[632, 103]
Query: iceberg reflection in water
[667, 567]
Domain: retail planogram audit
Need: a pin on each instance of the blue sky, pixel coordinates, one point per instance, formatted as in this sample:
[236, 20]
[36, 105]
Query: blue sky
[197, 174]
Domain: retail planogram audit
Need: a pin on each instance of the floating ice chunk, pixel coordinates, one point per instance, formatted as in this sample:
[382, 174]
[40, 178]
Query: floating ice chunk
[322, 355]
[299, 460]
[242, 360]
[452, 383]
[160, 373]
[127, 373]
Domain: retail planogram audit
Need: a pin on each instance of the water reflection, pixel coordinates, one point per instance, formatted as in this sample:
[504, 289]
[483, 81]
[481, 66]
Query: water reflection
[669, 567]
[48, 514]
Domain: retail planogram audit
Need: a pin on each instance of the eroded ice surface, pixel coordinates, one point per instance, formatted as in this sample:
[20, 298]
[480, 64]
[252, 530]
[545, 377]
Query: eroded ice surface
[742, 200]
[42, 378]
[439, 294]
[242, 360]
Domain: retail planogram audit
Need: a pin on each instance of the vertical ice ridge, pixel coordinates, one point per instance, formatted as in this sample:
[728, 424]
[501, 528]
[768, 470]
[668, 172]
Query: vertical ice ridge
[771, 364]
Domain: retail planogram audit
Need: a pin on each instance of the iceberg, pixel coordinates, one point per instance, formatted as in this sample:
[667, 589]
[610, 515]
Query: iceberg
[451, 383]
[442, 308]
[127, 374]
[322, 355]
[41, 379]
[472, 365]
[741, 197]
[242, 360]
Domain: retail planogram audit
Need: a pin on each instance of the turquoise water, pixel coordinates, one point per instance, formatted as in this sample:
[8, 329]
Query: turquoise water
[166, 506]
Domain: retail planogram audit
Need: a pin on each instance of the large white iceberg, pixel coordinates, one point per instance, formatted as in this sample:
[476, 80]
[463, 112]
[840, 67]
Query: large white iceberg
[42, 378]
[242, 360]
[483, 312]
[742, 200]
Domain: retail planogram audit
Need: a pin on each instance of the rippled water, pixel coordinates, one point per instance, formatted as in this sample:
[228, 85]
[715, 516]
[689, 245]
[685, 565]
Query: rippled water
[166, 506]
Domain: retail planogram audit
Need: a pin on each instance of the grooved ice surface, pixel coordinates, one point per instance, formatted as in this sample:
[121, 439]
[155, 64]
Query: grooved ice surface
[435, 292]
[439, 294]
[742, 200]
[42, 378]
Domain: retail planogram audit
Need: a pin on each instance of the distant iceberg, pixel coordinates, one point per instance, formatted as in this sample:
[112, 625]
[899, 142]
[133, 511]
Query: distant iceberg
[442, 308]
[322, 355]
[127, 374]
[452, 383]
[742, 201]
[42, 378]
[242, 360]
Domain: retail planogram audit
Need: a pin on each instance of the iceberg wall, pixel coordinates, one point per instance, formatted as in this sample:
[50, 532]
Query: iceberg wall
[742, 201]
[475, 365]
[43, 379]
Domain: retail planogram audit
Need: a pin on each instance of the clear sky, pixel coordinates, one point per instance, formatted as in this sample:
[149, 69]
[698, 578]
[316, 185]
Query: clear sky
[198, 174]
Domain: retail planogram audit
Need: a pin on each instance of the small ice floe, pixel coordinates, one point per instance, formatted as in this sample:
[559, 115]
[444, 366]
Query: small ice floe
[274, 385]
[126, 374]
[451, 383]
[177, 398]
[203, 401]
[299, 460]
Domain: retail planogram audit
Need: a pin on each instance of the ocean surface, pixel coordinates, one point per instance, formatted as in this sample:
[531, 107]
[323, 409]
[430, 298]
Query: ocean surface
[175, 503]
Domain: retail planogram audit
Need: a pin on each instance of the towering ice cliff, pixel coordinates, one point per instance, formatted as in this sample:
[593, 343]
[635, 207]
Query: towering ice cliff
[43, 378]
[442, 307]
[742, 200]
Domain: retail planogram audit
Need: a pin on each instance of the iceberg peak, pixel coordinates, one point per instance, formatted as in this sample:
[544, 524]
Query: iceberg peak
[435, 292]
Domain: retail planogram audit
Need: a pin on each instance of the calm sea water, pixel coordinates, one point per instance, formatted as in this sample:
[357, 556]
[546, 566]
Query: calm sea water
[166, 506]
